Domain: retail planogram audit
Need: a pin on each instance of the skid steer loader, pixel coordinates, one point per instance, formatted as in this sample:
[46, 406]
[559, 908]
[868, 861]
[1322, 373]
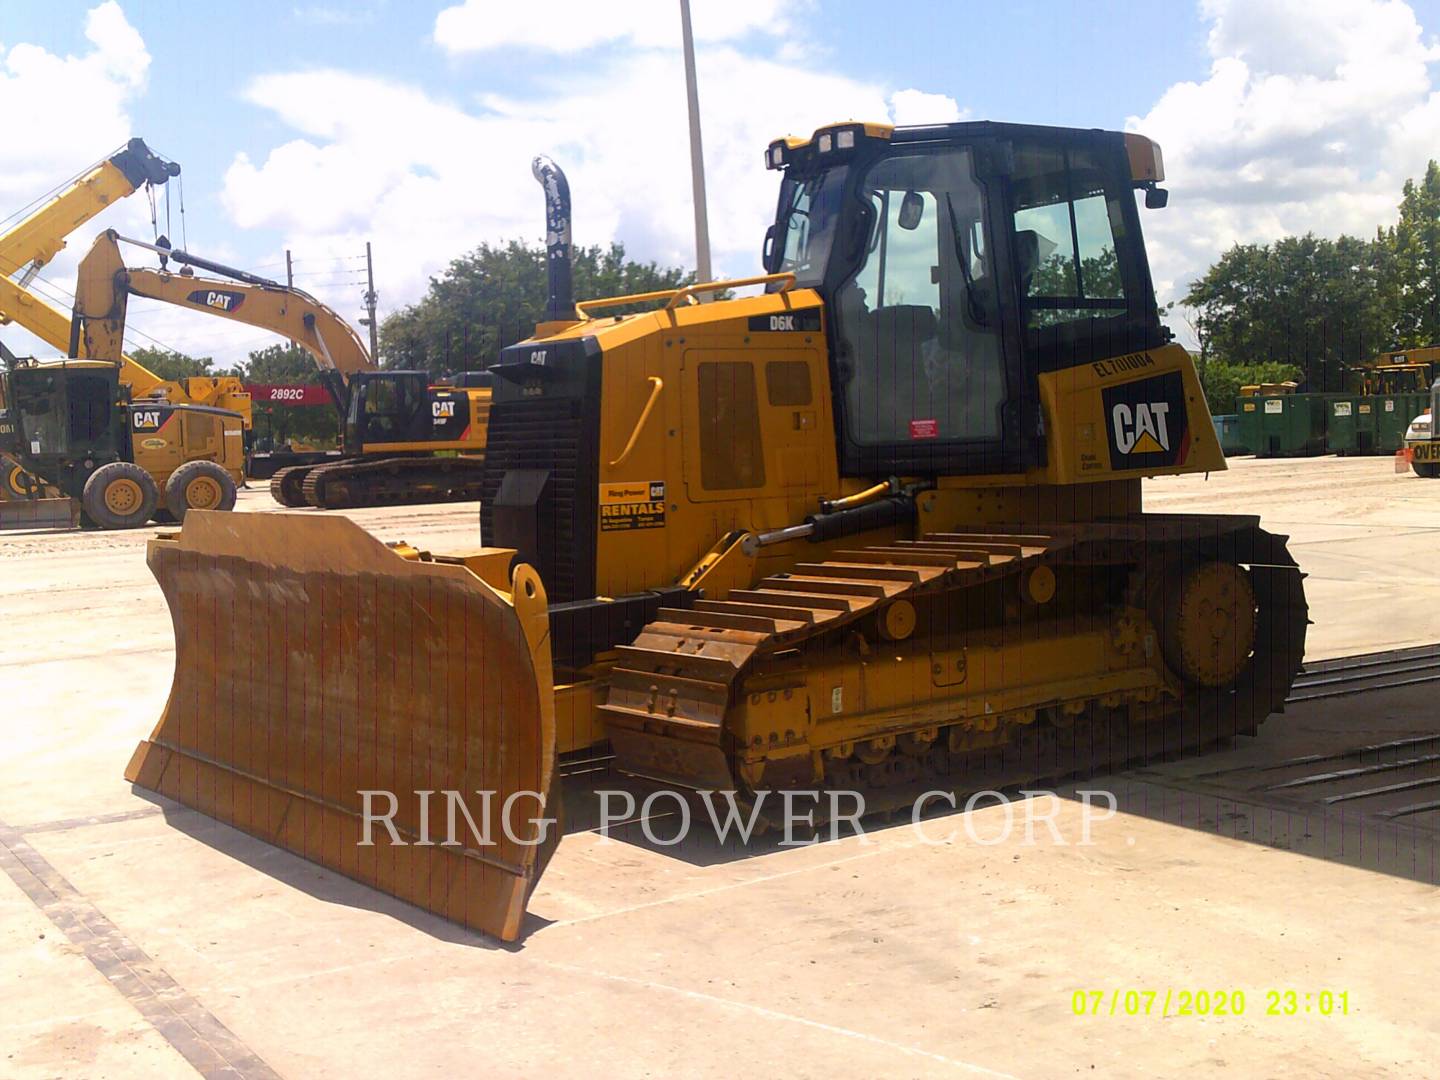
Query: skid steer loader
[877, 529]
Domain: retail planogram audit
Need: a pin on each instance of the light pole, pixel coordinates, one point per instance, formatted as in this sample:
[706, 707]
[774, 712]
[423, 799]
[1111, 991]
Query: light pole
[697, 154]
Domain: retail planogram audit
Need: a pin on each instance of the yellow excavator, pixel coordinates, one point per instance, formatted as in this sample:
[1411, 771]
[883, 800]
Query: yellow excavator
[118, 443]
[402, 440]
[39, 237]
[877, 530]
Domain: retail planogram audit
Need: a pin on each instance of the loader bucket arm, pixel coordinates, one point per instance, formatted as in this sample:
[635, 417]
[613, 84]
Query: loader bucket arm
[314, 663]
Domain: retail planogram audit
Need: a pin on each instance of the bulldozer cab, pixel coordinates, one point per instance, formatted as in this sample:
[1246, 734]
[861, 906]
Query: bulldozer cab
[58, 414]
[958, 263]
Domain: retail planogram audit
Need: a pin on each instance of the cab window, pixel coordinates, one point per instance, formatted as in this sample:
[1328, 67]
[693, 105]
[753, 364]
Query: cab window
[918, 321]
[1066, 225]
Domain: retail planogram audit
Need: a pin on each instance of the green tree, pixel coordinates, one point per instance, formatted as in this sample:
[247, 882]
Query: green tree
[276, 424]
[168, 364]
[1312, 303]
[1100, 278]
[1222, 381]
[493, 296]
[1414, 246]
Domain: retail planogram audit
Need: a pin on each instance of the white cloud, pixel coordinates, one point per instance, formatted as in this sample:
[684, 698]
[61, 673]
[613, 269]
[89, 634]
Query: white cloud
[918, 107]
[571, 26]
[1313, 115]
[429, 179]
[67, 112]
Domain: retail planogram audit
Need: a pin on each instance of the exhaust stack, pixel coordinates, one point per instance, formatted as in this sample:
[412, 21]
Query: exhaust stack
[560, 307]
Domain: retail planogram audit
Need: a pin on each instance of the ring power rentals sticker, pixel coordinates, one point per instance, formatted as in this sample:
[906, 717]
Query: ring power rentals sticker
[636, 505]
[1147, 422]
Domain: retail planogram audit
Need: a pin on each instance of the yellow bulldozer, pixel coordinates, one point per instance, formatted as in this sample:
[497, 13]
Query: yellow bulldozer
[877, 529]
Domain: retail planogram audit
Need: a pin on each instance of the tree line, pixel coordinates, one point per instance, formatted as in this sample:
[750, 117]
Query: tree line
[1304, 308]
[285, 365]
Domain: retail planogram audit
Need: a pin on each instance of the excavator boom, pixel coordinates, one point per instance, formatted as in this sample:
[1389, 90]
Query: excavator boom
[105, 285]
[31, 244]
[40, 236]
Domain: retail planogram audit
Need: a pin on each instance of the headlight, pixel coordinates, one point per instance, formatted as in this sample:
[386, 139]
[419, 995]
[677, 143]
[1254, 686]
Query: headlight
[827, 143]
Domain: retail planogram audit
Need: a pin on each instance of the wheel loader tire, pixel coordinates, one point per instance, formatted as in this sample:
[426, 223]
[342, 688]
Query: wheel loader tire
[1426, 469]
[15, 482]
[120, 495]
[287, 486]
[199, 485]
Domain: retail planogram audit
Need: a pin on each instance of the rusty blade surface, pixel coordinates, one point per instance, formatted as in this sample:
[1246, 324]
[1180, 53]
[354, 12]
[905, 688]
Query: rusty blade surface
[38, 514]
[313, 664]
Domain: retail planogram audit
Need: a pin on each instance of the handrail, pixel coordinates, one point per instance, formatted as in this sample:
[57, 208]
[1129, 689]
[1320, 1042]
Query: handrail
[688, 291]
[585, 307]
[656, 385]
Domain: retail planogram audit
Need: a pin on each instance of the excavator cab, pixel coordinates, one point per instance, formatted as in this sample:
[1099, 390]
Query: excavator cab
[385, 407]
[958, 264]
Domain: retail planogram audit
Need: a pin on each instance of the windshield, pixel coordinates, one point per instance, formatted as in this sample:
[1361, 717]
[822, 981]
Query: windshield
[809, 213]
[918, 320]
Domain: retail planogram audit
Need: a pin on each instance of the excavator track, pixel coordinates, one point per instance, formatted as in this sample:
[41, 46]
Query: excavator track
[286, 485]
[673, 689]
[394, 482]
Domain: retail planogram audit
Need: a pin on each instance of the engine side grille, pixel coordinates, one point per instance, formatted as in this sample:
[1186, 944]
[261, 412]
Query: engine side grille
[554, 434]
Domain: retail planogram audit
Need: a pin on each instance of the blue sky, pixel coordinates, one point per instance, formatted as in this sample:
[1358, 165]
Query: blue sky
[320, 125]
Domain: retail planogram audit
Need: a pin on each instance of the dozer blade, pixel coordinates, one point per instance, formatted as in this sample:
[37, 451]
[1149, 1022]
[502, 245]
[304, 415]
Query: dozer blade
[314, 664]
[39, 514]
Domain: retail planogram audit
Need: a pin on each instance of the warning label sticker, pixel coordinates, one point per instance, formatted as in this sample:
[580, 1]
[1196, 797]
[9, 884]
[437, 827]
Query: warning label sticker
[636, 505]
[924, 429]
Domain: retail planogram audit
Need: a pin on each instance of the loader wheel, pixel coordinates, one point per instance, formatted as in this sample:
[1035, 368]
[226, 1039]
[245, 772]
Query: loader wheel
[14, 481]
[120, 495]
[199, 485]
[1428, 470]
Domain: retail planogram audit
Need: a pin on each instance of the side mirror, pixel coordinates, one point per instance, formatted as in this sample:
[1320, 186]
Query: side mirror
[767, 251]
[1156, 198]
[912, 209]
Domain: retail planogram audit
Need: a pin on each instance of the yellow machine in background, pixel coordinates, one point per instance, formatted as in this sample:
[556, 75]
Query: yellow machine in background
[403, 441]
[875, 530]
[29, 246]
[72, 424]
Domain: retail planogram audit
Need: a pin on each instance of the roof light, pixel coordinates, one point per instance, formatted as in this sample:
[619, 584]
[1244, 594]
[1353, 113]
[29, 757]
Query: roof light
[845, 140]
[826, 143]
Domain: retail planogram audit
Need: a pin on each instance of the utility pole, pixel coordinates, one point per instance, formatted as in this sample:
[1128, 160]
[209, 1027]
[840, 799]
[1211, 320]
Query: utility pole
[371, 299]
[697, 155]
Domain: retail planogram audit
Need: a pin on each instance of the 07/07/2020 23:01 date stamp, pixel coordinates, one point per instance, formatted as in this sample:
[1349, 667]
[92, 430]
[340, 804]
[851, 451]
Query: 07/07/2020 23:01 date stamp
[1176, 1002]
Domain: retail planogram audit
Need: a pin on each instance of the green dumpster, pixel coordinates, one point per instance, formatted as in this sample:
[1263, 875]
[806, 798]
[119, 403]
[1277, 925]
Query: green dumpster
[1284, 425]
[1227, 430]
[1393, 413]
[1351, 424]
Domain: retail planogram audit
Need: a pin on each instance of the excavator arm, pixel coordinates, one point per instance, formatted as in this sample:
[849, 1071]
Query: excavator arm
[39, 237]
[105, 285]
